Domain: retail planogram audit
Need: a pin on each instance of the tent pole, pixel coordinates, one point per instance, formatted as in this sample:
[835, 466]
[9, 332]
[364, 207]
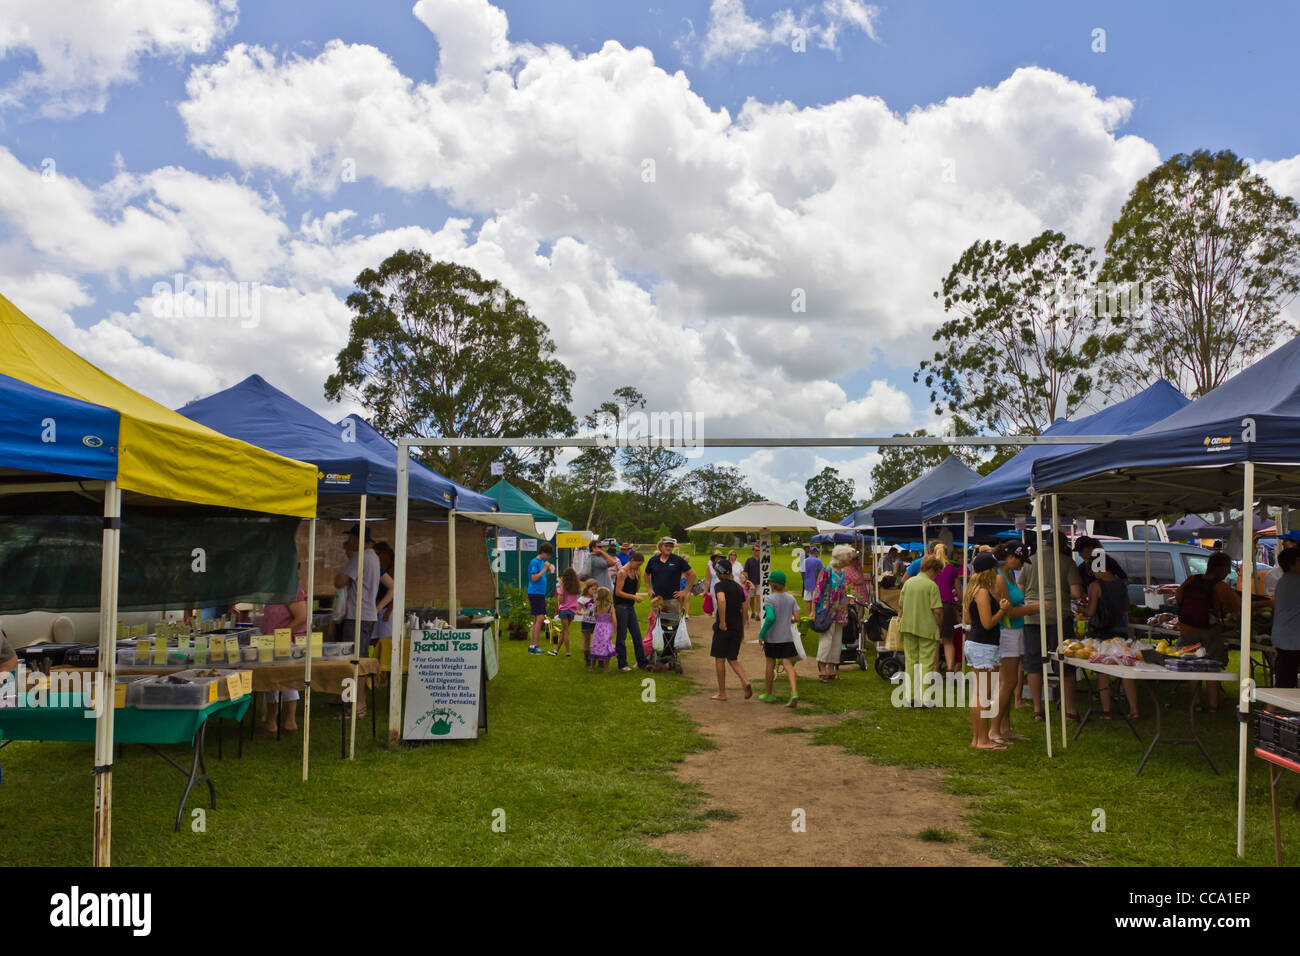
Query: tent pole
[399, 593]
[106, 674]
[1146, 548]
[451, 568]
[306, 692]
[1060, 612]
[1042, 624]
[356, 634]
[875, 561]
[1246, 686]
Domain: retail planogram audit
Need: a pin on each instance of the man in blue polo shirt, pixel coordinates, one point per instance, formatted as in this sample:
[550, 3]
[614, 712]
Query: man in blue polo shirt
[812, 567]
[665, 571]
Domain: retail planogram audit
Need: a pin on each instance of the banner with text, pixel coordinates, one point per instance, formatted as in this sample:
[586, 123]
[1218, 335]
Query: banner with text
[443, 684]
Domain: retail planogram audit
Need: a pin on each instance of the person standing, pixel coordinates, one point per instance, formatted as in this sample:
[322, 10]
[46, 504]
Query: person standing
[946, 580]
[1286, 618]
[920, 623]
[538, 569]
[373, 579]
[1203, 601]
[754, 571]
[602, 565]
[1038, 580]
[728, 631]
[665, 571]
[812, 569]
[293, 616]
[832, 591]
[1011, 634]
[567, 591]
[1107, 614]
[1086, 547]
[1287, 542]
[626, 597]
[982, 648]
[781, 617]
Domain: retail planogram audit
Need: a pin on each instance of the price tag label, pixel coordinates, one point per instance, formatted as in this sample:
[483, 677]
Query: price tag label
[159, 651]
[183, 641]
[246, 678]
[141, 651]
[200, 651]
[234, 686]
[232, 650]
[265, 648]
[317, 644]
[283, 642]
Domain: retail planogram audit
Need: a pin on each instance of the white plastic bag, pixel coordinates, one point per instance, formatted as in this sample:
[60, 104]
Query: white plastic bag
[657, 637]
[340, 607]
[682, 640]
[798, 645]
[581, 562]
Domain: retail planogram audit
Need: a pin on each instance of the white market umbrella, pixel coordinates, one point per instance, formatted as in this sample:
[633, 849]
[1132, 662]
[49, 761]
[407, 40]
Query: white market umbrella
[766, 517]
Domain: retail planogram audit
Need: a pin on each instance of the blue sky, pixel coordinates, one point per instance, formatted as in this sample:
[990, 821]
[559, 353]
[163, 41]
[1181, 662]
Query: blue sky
[157, 146]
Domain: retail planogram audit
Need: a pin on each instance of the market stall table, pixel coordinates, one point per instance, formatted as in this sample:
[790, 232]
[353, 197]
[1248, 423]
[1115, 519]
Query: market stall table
[1150, 673]
[1287, 699]
[63, 717]
[1261, 642]
[328, 676]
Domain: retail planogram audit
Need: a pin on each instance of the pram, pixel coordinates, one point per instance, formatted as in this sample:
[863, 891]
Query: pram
[879, 614]
[851, 651]
[667, 659]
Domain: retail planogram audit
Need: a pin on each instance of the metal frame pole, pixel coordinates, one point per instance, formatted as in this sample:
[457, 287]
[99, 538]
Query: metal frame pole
[451, 568]
[356, 635]
[399, 592]
[1246, 685]
[1060, 613]
[306, 693]
[1042, 624]
[106, 673]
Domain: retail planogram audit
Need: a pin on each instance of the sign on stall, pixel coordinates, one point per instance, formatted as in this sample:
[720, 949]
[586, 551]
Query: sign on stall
[498, 467]
[571, 539]
[444, 682]
[527, 544]
[505, 543]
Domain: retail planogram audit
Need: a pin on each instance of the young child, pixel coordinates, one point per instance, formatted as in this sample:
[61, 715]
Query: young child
[602, 636]
[656, 608]
[587, 616]
[566, 593]
[781, 616]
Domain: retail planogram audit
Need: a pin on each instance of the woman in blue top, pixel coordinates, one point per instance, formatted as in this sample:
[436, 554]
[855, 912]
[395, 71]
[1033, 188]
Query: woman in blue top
[1011, 557]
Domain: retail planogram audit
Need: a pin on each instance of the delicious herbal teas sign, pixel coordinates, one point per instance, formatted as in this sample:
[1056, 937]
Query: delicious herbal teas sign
[443, 685]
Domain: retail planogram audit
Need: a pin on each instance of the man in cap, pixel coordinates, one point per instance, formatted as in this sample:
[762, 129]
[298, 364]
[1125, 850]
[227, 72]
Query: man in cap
[1286, 542]
[665, 571]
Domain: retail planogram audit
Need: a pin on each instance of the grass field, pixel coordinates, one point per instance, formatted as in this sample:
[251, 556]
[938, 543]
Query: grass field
[579, 764]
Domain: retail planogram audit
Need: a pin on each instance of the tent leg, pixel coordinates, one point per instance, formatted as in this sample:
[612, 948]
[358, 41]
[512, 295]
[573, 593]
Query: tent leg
[1042, 624]
[106, 674]
[399, 593]
[356, 634]
[1060, 614]
[1246, 686]
[306, 667]
[1146, 548]
[451, 568]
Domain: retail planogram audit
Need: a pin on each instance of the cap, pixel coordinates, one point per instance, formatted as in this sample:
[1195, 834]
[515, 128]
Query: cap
[1017, 550]
[777, 577]
[356, 529]
[667, 540]
[1291, 536]
[1084, 543]
[984, 562]
[722, 566]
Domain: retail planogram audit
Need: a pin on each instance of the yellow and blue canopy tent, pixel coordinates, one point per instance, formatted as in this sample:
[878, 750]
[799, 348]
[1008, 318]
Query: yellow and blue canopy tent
[69, 427]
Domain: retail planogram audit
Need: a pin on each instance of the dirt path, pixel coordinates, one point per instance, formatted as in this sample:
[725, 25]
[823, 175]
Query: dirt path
[857, 813]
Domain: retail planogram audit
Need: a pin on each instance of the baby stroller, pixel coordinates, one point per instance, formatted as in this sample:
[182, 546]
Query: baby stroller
[879, 614]
[851, 640]
[667, 659]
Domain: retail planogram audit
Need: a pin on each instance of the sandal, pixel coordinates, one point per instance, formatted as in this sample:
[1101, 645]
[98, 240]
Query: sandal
[749, 690]
[1106, 715]
[1038, 716]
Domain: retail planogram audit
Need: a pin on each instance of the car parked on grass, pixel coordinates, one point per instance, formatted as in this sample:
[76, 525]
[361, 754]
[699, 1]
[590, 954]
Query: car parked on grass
[1171, 563]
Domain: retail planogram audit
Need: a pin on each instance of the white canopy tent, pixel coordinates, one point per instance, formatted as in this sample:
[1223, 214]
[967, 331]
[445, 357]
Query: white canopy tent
[766, 517]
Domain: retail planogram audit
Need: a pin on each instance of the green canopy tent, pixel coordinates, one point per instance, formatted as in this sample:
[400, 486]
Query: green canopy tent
[512, 499]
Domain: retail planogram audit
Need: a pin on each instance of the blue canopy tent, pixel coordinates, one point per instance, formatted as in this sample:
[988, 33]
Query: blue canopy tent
[1236, 445]
[349, 462]
[1004, 491]
[31, 426]
[899, 515]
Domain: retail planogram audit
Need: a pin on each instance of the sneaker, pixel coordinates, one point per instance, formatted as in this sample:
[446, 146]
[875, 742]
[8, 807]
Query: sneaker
[534, 649]
[625, 669]
[552, 654]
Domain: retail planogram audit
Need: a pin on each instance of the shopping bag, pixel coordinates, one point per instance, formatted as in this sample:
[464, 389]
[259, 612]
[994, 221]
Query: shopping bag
[682, 640]
[707, 604]
[798, 646]
[657, 637]
[894, 636]
[581, 562]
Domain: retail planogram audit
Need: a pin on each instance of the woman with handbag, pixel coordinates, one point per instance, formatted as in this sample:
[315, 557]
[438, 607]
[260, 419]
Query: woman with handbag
[831, 604]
